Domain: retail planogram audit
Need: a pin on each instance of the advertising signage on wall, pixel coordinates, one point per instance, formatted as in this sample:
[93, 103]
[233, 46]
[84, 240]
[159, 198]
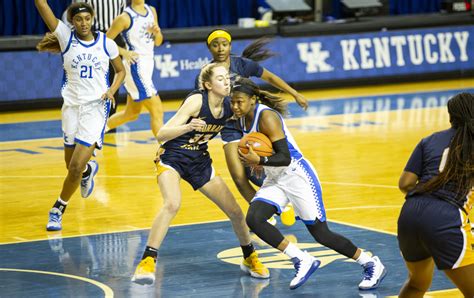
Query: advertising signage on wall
[33, 75]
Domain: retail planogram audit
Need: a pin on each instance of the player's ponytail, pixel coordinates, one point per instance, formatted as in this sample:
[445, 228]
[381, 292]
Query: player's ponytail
[272, 100]
[257, 51]
[49, 43]
[459, 168]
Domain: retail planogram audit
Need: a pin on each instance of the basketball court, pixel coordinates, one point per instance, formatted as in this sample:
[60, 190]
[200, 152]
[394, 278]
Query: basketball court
[358, 139]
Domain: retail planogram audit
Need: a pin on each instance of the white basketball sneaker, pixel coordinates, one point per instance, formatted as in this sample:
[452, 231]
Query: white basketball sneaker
[304, 269]
[374, 272]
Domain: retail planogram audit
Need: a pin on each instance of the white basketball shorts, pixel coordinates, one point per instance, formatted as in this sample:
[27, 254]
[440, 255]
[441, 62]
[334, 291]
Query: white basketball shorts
[299, 185]
[85, 124]
[138, 78]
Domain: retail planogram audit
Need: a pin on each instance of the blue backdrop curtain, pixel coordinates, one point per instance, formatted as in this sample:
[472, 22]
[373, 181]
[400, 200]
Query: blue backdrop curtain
[411, 7]
[19, 17]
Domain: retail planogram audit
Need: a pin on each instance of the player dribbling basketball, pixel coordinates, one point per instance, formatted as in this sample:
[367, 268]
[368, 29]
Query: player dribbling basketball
[289, 178]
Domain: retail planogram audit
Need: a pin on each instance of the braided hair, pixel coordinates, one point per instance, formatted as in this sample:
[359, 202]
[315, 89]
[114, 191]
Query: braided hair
[459, 168]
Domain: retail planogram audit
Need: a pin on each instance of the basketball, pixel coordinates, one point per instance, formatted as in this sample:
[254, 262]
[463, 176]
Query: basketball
[261, 144]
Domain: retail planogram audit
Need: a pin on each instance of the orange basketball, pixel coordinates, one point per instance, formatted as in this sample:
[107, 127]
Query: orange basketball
[261, 144]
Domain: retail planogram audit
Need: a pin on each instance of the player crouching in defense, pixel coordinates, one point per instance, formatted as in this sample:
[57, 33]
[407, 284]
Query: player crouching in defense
[284, 170]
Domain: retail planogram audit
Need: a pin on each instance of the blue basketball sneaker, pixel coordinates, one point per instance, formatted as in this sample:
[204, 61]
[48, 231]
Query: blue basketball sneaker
[304, 269]
[87, 184]
[55, 218]
[374, 272]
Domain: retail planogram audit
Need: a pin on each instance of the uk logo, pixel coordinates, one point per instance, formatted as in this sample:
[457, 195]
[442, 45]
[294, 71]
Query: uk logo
[167, 66]
[314, 57]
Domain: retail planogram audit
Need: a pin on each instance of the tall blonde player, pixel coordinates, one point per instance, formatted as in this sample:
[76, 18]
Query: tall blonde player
[86, 93]
[139, 27]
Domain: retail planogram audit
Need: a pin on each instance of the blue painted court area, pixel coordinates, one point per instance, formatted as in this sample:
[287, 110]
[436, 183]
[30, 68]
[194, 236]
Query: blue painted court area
[198, 260]
[354, 105]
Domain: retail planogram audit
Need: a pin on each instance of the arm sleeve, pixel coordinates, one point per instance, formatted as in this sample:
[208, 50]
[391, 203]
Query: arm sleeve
[281, 158]
[63, 33]
[415, 163]
[112, 48]
[251, 68]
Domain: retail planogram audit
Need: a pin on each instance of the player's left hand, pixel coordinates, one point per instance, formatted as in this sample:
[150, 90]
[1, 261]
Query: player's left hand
[249, 159]
[155, 30]
[109, 95]
[301, 101]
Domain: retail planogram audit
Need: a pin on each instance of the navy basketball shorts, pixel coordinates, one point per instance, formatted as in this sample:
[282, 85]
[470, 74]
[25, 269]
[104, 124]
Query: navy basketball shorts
[195, 168]
[430, 227]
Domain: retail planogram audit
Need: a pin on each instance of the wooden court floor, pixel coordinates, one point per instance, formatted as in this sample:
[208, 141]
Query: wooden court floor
[358, 139]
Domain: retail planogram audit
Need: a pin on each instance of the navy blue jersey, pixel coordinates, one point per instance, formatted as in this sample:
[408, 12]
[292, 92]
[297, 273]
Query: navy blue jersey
[425, 162]
[196, 141]
[240, 67]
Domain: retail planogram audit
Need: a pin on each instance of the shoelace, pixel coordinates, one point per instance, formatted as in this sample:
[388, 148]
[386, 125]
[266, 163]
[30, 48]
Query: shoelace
[297, 267]
[369, 271]
[54, 217]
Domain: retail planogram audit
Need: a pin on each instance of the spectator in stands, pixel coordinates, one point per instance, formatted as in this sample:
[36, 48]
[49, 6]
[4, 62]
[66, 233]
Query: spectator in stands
[84, 113]
[139, 26]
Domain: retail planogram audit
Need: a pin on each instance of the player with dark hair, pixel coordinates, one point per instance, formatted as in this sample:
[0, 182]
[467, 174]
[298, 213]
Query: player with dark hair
[219, 43]
[290, 178]
[86, 93]
[434, 227]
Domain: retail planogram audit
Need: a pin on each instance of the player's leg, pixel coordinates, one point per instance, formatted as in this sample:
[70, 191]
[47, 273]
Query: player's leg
[420, 275]
[270, 200]
[155, 108]
[131, 113]
[168, 180]
[463, 279]
[218, 192]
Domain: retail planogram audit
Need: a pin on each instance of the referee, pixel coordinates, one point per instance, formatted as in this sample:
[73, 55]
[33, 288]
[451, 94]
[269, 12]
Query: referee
[105, 13]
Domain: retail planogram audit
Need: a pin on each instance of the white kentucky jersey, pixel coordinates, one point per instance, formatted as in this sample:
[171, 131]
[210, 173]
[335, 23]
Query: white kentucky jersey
[86, 70]
[295, 152]
[137, 36]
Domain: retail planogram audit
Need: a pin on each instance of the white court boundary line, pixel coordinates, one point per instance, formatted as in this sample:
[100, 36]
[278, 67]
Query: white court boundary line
[106, 289]
[154, 177]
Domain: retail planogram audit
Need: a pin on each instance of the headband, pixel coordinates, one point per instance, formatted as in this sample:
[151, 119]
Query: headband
[80, 9]
[218, 33]
[244, 89]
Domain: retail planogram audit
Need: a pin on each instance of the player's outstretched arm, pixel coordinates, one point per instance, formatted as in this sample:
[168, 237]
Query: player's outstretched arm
[47, 14]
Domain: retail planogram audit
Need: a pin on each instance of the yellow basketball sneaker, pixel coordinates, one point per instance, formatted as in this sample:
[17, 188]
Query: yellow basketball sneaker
[288, 215]
[145, 272]
[254, 267]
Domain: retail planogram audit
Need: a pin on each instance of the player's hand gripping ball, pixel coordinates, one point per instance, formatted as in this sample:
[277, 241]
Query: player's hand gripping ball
[260, 143]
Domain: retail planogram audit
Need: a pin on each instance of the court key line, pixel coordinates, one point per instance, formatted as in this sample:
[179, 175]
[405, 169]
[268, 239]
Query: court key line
[107, 290]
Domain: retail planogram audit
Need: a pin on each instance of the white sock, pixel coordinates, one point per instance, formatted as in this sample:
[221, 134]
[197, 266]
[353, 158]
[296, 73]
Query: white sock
[294, 252]
[364, 258]
[62, 202]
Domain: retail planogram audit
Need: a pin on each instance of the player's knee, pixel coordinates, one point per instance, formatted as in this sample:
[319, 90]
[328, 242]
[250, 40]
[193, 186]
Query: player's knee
[171, 207]
[75, 170]
[133, 116]
[420, 282]
[254, 218]
[235, 213]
